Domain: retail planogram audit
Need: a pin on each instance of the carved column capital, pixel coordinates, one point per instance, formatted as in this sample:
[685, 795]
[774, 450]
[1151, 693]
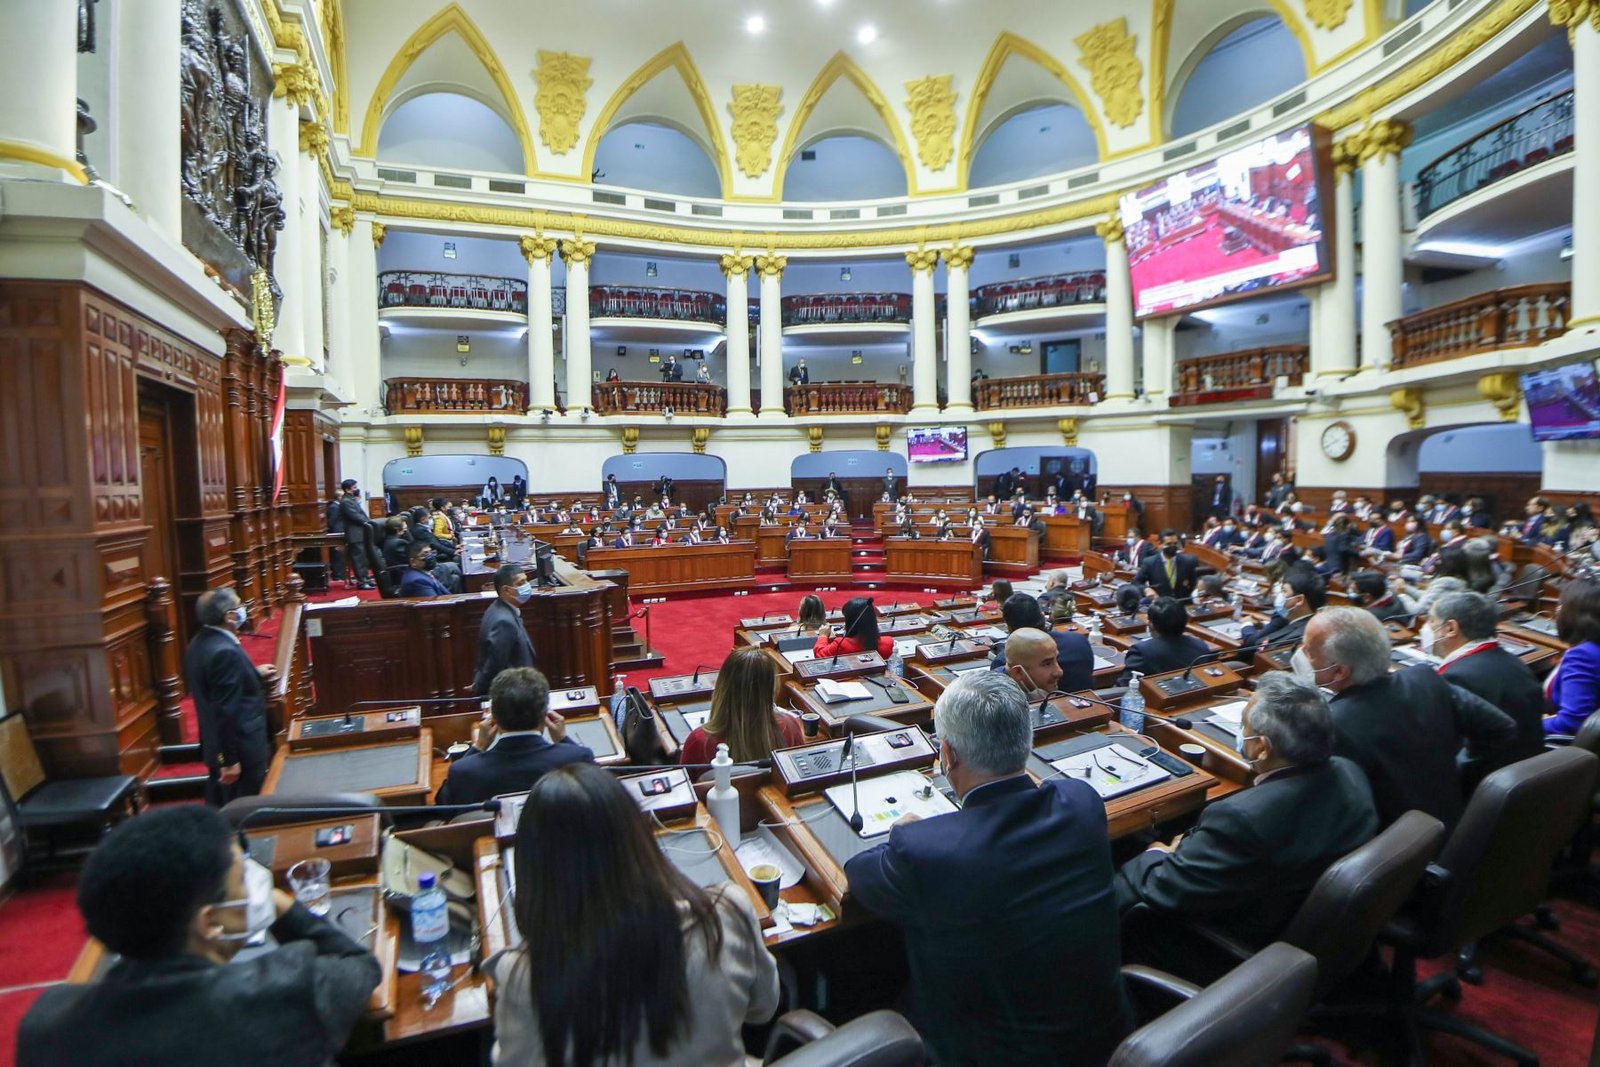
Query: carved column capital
[814, 438]
[1069, 431]
[1504, 391]
[959, 257]
[1109, 229]
[771, 266]
[734, 265]
[1410, 403]
[343, 217]
[997, 433]
[313, 138]
[577, 252]
[497, 440]
[537, 246]
[295, 82]
[378, 232]
[630, 440]
[413, 440]
[698, 438]
[923, 259]
[1384, 138]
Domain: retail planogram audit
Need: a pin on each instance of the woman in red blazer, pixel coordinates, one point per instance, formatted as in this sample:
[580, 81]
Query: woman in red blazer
[860, 632]
[742, 713]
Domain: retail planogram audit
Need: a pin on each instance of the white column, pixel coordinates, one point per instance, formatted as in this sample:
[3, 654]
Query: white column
[1158, 350]
[311, 249]
[1119, 312]
[148, 152]
[360, 298]
[737, 270]
[580, 393]
[1585, 308]
[39, 88]
[288, 262]
[1333, 347]
[958, 330]
[924, 333]
[1381, 251]
[772, 337]
[537, 250]
[342, 290]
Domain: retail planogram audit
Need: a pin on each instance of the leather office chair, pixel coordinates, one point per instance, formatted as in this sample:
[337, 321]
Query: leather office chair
[1247, 1018]
[1494, 869]
[877, 1039]
[42, 805]
[294, 807]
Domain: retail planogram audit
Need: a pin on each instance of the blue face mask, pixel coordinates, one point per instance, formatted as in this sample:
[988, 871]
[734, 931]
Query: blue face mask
[523, 592]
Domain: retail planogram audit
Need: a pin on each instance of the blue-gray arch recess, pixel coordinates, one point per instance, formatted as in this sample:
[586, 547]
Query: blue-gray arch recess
[1031, 460]
[463, 470]
[847, 463]
[679, 466]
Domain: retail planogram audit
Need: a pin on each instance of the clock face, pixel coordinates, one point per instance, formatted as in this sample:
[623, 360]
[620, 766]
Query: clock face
[1338, 440]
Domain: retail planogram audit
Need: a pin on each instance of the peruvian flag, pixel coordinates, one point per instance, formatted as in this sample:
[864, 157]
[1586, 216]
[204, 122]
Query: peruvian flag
[277, 440]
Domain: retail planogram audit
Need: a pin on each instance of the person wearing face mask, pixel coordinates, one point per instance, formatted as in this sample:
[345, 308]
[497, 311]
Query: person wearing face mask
[357, 529]
[1415, 546]
[1409, 729]
[1006, 902]
[1461, 631]
[502, 638]
[1250, 860]
[1172, 573]
[1299, 596]
[417, 579]
[230, 700]
[1133, 550]
[1374, 594]
[170, 894]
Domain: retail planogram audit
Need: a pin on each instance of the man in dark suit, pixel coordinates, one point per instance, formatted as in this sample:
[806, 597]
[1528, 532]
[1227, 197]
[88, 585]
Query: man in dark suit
[230, 700]
[1006, 902]
[798, 375]
[1172, 573]
[1073, 654]
[1372, 592]
[1167, 648]
[624, 539]
[1462, 626]
[1221, 497]
[502, 638]
[1279, 490]
[1006, 484]
[1031, 521]
[511, 753]
[798, 532]
[833, 484]
[1404, 729]
[334, 521]
[889, 483]
[172, 899]
[1415, 546]
[1378, 541]
[613, 492]
[417, 579]
[1302, 594]
[1251, 859]
[354, 520]
[671, 370]
[1133, 550]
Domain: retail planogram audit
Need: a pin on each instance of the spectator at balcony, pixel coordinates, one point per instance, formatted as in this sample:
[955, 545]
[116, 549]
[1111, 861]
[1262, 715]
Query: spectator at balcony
[613, 376]
[979, 375]
[798, 375]
[702, 373]
[672, 370]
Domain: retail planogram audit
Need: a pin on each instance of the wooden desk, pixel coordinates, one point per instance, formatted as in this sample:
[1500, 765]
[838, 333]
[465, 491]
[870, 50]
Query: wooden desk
[942, 562]
[682, 568]
[821, 559]
[772, 545]
[1013, 550]
[1142, 809]
[802, 698]
[1067, 536]
[1222, 759]
[400, 772]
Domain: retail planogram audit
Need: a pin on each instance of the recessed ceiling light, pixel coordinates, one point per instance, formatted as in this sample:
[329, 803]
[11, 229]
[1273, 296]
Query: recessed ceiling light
[867, 34]
[755, 24]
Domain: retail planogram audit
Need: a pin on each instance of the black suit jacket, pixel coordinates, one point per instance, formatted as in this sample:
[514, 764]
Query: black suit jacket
[1073, 653]
[1405, 730]
[1004, 486]
[1157, 654]
[510, 765]
[230, 701]
[1007, 905]
[1506, 682]
[1153, 573]
[295, 1004]
[834, 484]
[1277, 630]
[502, 642]
[355, 518]
[1252, 858]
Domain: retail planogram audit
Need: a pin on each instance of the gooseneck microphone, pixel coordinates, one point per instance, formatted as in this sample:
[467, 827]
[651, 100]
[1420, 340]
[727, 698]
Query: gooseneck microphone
[1179, 721]
[847, 753]
[1213, 654]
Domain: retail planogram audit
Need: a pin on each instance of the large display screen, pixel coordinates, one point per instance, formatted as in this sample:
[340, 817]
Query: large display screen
[1249, 221]
[1563, 402]
[936, 444]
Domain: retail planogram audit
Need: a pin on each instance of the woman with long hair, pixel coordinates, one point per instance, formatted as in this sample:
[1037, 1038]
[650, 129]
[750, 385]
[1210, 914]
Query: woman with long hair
[813, 616]
[742, 713]
[623, 960]
[1574, 686]
[860, 632]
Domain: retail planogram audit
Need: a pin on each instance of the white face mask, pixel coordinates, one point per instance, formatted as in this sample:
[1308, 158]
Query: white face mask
[1425, 638]
[260, 911]
[1300, 666]
[239, 616]
[1279, 601]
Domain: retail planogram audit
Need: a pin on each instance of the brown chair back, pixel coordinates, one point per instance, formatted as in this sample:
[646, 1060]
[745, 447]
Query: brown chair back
[1354, 899]
[1247, 1018]
[20, 768]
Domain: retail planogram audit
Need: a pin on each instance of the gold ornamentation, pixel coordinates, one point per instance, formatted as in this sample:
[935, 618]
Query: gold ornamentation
[997, 431]
[262, 310]
[735, 266]
[343, 218]
[882, 433]
[577, 252]
[1328, 14]
[698, 438]
[676, 57]
[1381, 138]
[1069, 431]
[923, 259]
[497, 440]
[1006, 47]
[1346, 156]
[771, 266]
[1504, 391]
[814, 438]
[959, 257]
[413, 440]
[1571, 14]
[313, 138]
[537, 246]
[1409, 402]
[295, 82]
[1115, 72]
[1109, 228]
[932, 104]
[755, 110]
[378, 232]
[563, 80]
[630, 440]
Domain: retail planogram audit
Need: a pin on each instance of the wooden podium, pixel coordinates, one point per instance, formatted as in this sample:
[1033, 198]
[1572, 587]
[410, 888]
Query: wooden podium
[820, 559]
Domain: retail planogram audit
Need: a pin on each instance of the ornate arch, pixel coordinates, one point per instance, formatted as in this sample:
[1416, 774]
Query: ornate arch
[449, 19]
[1161, 41]
[842, 66]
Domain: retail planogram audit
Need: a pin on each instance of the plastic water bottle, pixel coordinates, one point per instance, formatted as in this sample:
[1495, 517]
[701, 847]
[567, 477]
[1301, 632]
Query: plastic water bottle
[430, 929]
[1238, 607]
[723, 800]
[1132, 715]
[1096, 636]
[897, 664]
[619, 695]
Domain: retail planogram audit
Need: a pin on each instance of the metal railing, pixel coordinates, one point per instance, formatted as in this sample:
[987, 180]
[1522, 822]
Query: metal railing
[454, 395]
[1028, 294]
[1502, 318]
[645, 302]
[681, 398]
[847, 398]
[1531, 136]
[816, 308]
[1037, 391]
[432, 289]
[1250, 368]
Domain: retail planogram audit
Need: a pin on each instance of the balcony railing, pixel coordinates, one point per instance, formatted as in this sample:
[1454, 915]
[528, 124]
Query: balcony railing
[643, 302]
[1028, 294]
[681, 398]
[1037, 391]
[847, 398]
[1504, 318]
[1245, 375]
[819, 308]
[461, 292]
[422, 396]
[1528, 137]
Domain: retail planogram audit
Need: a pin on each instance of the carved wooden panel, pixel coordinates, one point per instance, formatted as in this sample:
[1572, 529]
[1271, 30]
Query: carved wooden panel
[681, 568]
[946, 562]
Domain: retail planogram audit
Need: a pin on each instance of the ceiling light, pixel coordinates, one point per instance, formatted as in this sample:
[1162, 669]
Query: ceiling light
[755, 24]
[867, 34]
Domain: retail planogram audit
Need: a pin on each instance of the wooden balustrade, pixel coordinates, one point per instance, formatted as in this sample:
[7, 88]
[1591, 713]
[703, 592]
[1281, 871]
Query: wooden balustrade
[405, 396]
[289, 696]
[848, 398]
[1502, 318]
[166, 672]
[682, 398]
[1037, 391]
[1243, 375]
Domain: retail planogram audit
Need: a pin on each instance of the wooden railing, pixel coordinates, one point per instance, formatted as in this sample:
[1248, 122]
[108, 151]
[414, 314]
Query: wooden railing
[1027, 294]
[1252, 371]
[681, 398]
[1531, 136]
[817, 308]
[1503, 318]
[1037, 391]
[848, 398]
[424, 395]
[289, 696]
[652, 302]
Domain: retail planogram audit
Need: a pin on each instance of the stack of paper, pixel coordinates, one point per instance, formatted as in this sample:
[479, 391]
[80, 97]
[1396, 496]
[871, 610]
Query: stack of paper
[1228, 716]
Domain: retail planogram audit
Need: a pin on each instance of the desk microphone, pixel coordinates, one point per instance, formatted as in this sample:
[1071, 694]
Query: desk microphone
[1179, 721]
[846, 753]
[696, 679]
[1203, 657]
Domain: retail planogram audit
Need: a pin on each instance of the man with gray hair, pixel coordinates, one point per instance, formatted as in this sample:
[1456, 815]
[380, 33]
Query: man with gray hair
[1406, 728]
[230, 700]
[1461, 631]
[1005, 903]
[1251, 858]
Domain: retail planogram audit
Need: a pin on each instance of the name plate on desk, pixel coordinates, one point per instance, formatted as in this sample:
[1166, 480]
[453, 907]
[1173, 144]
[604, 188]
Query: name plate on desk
[843, 666]
[935, 652]
[1162, 691]
[1124, 624]
[357, 728]
[814, 767]
[584, 700]
[1276, 657]
[683, 686]
[766, 622]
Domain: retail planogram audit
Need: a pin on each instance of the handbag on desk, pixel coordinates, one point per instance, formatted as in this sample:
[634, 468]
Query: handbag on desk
[402, 863]
[637, 725]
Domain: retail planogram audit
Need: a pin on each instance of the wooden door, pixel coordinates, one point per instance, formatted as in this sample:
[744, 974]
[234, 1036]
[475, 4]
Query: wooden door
[155, 483]
[1272, 449]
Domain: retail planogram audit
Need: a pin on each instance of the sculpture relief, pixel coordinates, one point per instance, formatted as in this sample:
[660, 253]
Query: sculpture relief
[1115, 72]
[563, 79]
[755, 110]
[1328, 14]
[932, 102]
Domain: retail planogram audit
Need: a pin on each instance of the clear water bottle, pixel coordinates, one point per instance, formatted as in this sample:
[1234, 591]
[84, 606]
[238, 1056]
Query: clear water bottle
[1238, 607]
[430, 929]
[1132, 715]
[897, 664]
[1096, 636]
[619, 695]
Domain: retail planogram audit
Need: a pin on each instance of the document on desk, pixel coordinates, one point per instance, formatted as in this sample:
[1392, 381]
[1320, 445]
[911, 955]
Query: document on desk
[1228, 716]
[762, 847]
[833, 692]
[1227, 628]
[799, 655]
[1102, 664]
[887, 797]
[1409, 654]
[1111, 770]
[696, 719]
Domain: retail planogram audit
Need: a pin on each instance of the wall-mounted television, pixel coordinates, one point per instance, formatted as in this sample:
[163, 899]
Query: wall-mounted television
[936, 444]
[1252, 220]
[1563, 402]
